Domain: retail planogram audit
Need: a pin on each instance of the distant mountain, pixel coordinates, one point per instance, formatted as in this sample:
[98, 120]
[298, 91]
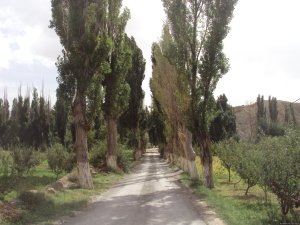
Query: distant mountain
[246, 121]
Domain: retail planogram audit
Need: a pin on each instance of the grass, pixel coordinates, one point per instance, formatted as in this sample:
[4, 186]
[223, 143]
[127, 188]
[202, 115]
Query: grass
[53, 206]
[229, 200]
[37, 179]
[65, 202]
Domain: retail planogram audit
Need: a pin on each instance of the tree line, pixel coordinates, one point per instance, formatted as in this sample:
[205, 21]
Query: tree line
[28, 123]
[269, 160]
[99, 95]
[272, 163]
[189, 60]
[100, 74]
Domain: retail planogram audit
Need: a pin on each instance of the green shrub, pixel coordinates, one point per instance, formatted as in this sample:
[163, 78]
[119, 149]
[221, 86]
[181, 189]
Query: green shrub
[248, 164]
[281, 170]
[97, 154]
[70, 162]
[125, 157]
[24, 159]
[59, 160]
[6, 163]
[32, 198]
[227, 153]
[73, 177]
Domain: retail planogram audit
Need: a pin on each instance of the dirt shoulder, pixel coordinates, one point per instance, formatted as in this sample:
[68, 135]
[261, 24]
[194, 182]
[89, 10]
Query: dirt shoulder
[207, 213]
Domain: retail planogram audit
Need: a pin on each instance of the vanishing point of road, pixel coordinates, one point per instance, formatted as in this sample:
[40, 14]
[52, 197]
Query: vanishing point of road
[150, 195]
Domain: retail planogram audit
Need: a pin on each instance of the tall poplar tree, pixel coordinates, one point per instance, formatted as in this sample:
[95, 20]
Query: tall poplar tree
[81, 27]
[273, 109]
[130, 119]
[223, 126]
[116, 88]
[198, 28]
[261, 115]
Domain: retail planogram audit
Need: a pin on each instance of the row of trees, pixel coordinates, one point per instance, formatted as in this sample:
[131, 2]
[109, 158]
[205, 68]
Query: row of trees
[189, 60]
[270, 160]
[28, 123]
[272, 163]
[268, 123]
[100, 74]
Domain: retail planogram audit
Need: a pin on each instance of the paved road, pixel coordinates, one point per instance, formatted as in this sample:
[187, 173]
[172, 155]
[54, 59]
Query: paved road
[149, 196]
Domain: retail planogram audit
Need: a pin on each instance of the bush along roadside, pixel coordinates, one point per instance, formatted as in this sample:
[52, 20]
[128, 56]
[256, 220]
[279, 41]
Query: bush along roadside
[230, 203]
[273, 165]
[27, 197]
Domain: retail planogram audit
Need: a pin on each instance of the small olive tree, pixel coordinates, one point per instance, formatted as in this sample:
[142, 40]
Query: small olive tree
[227, 153]
[24, 160]
[60, 160]
[6, 163]
[247, 164]
[281, 170]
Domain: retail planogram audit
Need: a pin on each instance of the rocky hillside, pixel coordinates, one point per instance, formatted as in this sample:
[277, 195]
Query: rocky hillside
[246, 117]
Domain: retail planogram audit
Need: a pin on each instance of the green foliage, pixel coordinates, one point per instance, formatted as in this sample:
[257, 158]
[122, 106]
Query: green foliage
[243, 158]
[281, 169]
[32, 198]
[60, 160]
[62, 110]
[28, 124]
[98, 154]
[230, 204]
[156, 125]
[193, 46]
[6, 163]
[50, 208]
[130, 120]
[273, 163]
[168, 111]
[275, 130]
[125, 157]
[248, 164]
[223, 126]
[264, 127]
[116, 88]
[227, 153]
[24, 159]
[293, 115]
[273, 109]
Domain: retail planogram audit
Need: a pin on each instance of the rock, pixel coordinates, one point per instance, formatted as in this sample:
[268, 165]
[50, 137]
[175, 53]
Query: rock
[51, 190]
[58, 186]
[15, 202]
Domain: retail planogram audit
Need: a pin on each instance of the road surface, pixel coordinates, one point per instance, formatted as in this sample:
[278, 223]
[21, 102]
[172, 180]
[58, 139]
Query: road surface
[149, 196]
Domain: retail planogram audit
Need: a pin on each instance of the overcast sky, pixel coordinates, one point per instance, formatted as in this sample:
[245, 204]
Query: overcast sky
[263, 47]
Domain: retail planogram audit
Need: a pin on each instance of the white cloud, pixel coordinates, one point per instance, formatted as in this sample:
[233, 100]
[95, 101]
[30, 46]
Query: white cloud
[28, 47]
[145, 25]
[264, 51]
[24, 33]
[263, 46]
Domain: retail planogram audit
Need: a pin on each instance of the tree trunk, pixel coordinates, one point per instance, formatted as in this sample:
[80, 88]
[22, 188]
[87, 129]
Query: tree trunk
[250, 184]
[247, 190]
[206, 161]
[138, 154]
[138, 151]
[186, 140]
[81, 149]
[111, 155]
